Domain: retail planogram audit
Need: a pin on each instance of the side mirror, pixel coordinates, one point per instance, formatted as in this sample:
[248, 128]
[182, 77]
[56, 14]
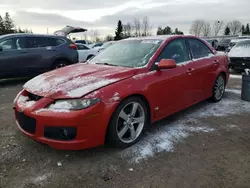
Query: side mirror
[167, 64]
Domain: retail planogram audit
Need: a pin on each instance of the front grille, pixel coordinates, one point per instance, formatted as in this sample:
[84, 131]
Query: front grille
[33, 97]
[60, 133]
[27, 123]
[240, 60]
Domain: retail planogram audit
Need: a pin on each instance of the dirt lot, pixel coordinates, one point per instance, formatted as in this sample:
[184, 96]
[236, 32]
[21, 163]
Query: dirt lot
[207, 145]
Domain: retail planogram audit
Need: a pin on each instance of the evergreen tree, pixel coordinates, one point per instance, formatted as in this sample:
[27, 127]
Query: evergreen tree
[159, 31]
[119, 30]
[243, 29]
[8, 24]
[167, 31]
[247, 30]
[177, 32]
[227, 31]
[1, 26]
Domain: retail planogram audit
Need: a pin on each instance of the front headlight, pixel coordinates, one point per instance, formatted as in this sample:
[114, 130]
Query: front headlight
[73, 104]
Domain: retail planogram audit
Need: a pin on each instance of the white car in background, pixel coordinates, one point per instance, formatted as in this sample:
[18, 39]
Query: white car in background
[105, 45]
[85, 52]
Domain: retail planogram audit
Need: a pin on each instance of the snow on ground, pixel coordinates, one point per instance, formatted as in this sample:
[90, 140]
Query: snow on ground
[235, 76]
[164, 137]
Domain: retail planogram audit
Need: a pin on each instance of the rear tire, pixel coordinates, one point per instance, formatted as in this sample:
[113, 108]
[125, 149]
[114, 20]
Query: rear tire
[59, 64]
[90, 56]
[127, 123]
[218, 88]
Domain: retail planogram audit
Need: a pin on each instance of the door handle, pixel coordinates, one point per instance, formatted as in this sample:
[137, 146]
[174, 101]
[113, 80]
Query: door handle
[216, 62]
[23, 52]
[189, 71]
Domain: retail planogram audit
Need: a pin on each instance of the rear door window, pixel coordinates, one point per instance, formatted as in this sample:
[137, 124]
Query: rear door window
[198, 48]
[42, 42]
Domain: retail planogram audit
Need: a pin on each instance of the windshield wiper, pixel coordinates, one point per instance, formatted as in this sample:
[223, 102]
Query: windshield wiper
[106, 64]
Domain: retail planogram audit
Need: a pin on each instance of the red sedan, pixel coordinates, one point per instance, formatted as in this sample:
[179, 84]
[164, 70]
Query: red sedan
[117, 94]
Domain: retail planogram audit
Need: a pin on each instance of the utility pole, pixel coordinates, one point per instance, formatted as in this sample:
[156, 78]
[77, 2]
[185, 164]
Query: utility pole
[47, 31]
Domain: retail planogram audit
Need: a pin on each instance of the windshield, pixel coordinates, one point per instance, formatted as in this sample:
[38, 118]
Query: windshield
[245, 43]
[128, 53]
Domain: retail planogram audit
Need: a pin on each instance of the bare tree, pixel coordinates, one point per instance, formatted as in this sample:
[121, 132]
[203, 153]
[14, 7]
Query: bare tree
[235, 27]
[137, 27]
[146, 27]
[95, 35]
[217, 27]
[206, 29]
[127, 29]
[196, 27]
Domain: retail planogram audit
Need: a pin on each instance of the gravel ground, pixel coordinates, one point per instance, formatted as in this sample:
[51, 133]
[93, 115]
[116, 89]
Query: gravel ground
[204, 146]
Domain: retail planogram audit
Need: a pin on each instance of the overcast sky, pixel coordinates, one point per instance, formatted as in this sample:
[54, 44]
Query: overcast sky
[104, 14]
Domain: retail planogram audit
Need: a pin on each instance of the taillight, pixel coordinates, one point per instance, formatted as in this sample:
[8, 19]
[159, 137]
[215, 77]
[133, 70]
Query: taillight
[73, 46]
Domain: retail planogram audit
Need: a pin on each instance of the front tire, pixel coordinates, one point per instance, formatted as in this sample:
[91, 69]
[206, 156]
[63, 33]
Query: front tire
[219, 88]
[128, 123]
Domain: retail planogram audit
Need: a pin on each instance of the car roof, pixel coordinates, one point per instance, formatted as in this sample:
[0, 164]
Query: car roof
[160, 37]
[30, 35]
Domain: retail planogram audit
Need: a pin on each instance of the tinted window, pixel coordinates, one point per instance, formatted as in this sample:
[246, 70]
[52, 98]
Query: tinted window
[176, 50]
[82, 47]
[80, 41]
[14, 43]
[40, 42]
[198, 48]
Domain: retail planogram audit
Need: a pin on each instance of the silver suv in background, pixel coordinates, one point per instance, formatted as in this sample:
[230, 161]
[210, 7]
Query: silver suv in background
[32, 54]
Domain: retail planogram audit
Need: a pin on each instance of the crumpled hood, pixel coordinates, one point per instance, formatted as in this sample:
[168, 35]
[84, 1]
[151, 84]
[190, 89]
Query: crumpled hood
[77, 80]
[239, 52]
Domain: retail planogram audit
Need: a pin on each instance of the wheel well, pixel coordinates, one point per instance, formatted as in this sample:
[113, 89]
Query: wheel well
[89, 56]
[61, 59]
[144, 99]
[224, 75]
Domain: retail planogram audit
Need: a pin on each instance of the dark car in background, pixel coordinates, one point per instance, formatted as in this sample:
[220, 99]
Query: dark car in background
[32, 54]
[213, 42]
[223, 44]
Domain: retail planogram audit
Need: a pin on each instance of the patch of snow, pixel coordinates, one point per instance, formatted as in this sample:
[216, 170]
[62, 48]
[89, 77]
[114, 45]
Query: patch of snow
[184, 63]
[236, 91]
[240, 51]
[15, 100]
[115, 98]
[206, 57]
[59, 164]
[220, 53]
[163, 137]
[232, 126]
[131, 169]
[52, 110]
[61, 105]
[40, 179]
[235, 76]
[23, 102]
[90, 87]
[139, 76]
[93, 95]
